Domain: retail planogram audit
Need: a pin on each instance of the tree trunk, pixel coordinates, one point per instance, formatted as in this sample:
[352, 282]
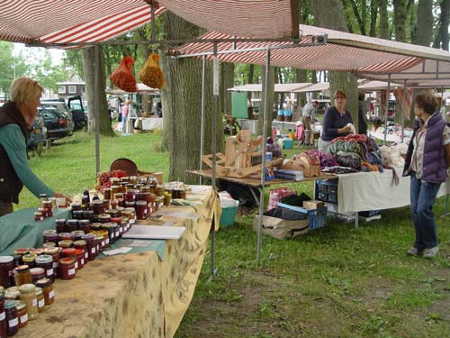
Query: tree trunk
[227, 81]
[338, 80]
[300, 77]
[400, 19]
[270, 89]
[96, 95]
[444, 22]
[424, 23]
[182, 105]
[373, 17]
[384, 19]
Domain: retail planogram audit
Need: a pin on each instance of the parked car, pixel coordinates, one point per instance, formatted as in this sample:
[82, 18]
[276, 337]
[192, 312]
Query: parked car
[38, 135]
[57, 123]
[78, 110]
[62, 109]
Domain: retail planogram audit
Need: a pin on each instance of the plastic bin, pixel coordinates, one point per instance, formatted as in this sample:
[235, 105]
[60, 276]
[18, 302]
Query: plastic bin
[288, 143]
[326, 190]
[317, 218]
[229, 212]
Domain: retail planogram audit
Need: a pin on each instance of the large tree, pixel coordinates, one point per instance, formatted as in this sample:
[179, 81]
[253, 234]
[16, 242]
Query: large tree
[424, 23]
[181, 99]
[338, 80]
[95, 89]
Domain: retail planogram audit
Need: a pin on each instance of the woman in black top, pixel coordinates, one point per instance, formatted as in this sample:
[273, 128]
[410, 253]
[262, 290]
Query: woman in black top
[336, 121]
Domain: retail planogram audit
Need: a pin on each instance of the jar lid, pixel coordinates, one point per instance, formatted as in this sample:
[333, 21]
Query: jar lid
[76, 204]
[38, 291]
[29, 257]
[77, 233]
[43, 259]
[48, 245]
[10, 304]
[52, 251]
[65, 243]
[84, 221]
[79, 252]
[38, 213]
[43, 282]
[67, 260]
[43, 195]
[22, 268]
[99, 202]
[27, 288]
[13, 289]
[37, 271]
[61, 220]
[37, 251]
[20, 305]
[80, 242]
[88, 236]
[65, 235]
[68, 251]
[12, 294]
[41, 209]
[6, 259]
[21, 251]
[72, 221]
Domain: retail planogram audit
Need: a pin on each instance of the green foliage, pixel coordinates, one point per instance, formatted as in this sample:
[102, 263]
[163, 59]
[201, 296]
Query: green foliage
[11, 66]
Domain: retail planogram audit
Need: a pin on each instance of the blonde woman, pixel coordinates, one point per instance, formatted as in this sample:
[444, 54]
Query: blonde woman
[16, 119]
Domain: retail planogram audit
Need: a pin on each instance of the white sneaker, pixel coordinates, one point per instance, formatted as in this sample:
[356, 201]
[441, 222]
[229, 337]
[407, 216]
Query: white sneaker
[430, 253]
[413, 252]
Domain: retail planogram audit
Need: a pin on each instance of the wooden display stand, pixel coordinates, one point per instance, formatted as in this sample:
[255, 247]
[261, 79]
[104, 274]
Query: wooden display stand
[242, 158]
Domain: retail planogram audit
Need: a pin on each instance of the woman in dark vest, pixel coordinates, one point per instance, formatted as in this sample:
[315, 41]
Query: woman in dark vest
[16, 119]
[427, 161]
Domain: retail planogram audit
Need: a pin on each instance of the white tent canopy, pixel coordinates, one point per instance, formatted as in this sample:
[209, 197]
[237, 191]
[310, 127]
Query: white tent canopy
[279, 87]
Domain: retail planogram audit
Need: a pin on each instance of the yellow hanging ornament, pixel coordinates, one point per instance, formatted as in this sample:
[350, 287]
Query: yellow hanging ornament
[151, 74]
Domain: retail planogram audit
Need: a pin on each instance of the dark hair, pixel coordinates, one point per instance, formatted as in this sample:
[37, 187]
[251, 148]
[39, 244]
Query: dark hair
[361, 96]
[339, 93]
[427, 102]
[316, 102]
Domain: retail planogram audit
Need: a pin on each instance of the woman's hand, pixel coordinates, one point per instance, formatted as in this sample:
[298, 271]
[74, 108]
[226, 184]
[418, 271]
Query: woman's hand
[344, 130]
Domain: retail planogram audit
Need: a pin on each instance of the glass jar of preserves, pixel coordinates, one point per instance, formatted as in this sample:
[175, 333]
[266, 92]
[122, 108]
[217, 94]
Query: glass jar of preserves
[2, 316]
[65, 243]
[7, 266]
[68, 252]
[46, 262]
[50, 236]
[12, 321]
[55, 253]
[22, 314]
[60, 225]
[84, 225]
[71, 225]
[141, 209]
[38, 216]
[82, 244]
[67, 268]
[40, 299]
[104, 218]
[78, 214]
[36, 274]
[65, 236]
[77, 235]
[28, 296]
[107, 194]
[22, 275]
[47, 289]
[79, 253]
[12, 293]
[49, 245]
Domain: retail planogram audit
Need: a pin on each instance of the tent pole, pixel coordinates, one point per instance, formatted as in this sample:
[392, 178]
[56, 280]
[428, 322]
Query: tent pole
[387, 108]
[263, 157]
[403, 114]
[97, 110]
[202, 122]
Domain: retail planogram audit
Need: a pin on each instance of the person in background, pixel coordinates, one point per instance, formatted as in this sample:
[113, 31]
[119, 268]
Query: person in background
[427, 161]
[309, 113]
[362, 117]
[16, 119]
[124, 112]
[336, 122]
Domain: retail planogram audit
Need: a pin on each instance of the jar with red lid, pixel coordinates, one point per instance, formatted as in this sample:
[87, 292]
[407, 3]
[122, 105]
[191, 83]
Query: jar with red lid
[82, 245]
[79, 253]
[3, 325]
[67, 268]
[12, 321]
[50, 236]
[46, 262]
[7, 266]
[36, 274]
[68, 252]
[22, 314]
[141, 209]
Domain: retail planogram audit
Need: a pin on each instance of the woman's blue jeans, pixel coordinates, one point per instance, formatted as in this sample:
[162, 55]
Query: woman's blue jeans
[423, 195]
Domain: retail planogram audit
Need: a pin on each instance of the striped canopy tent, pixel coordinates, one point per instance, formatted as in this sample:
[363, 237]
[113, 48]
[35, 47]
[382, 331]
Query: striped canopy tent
[278, 88]
[70, 22]
[363, 55]
[315, 87]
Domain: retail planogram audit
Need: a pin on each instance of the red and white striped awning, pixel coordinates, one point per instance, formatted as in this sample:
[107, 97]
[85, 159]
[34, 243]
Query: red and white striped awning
[85, 21]
[342, 52]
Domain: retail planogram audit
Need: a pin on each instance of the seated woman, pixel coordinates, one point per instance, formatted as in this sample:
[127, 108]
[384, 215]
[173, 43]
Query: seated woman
[337, 121]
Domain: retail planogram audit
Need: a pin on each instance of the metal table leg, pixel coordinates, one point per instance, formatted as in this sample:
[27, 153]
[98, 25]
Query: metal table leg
[356, 220]
[254, 195]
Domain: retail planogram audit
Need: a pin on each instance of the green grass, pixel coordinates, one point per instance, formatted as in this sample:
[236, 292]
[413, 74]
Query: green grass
[334, 282]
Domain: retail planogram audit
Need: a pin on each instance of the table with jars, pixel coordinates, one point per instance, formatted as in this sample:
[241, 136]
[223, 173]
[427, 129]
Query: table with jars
[66, 287]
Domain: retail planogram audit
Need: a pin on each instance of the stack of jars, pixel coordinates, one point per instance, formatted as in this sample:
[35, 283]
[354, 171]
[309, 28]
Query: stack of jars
[46, 208]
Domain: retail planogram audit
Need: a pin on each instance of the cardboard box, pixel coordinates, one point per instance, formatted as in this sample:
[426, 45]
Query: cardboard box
[311, 205]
